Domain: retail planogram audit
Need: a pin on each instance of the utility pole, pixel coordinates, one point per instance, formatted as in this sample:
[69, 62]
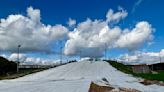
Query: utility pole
[61, 52]
[127, 58]
[160, 58]
[105, 51]
[128, 49]
[18, 58]
[80, 54]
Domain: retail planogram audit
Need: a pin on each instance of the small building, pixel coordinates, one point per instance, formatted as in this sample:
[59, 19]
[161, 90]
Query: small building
[142, 68]
[157, 66]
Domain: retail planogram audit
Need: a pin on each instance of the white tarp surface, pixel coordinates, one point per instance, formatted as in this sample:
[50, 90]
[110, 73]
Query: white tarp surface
[74, 77]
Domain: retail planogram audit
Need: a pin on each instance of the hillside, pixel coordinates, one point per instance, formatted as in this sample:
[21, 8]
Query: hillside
[76, 77]
[158, 76]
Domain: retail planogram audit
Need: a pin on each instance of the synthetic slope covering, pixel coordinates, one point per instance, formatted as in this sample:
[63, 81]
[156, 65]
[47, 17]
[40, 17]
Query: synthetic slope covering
[74, 77]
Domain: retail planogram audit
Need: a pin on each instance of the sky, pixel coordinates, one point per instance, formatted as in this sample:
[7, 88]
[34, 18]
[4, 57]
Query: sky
[82, 28]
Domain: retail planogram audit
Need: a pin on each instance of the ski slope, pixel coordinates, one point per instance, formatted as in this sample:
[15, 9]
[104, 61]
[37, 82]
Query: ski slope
[75, 77]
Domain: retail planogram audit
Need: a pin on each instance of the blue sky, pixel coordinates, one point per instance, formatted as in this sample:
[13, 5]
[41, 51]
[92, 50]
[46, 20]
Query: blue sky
[59, 11]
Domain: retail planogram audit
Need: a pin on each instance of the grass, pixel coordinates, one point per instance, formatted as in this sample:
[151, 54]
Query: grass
[150, 76]
[121, 67]
[127, 69]
[21, 73]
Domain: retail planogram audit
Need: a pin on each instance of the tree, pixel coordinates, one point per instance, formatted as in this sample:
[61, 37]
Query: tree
[7, 66]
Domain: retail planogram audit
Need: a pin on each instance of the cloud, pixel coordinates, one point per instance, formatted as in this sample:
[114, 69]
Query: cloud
[136, 37]
[71, 22]
[39, 61]
[3, 55]
[29, 32]
[143, 58]
[34, 14]
[91, 37]
[136, 4]
[23, 59]
[116, 17]
[14, 57]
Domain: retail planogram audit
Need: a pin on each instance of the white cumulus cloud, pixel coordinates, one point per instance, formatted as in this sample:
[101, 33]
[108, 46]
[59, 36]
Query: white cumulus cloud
[91, 37]
[136, 37]
[24, 59]
[30, 32]
[116, 17]
[143, 58]
[14, 57]
[71, 22]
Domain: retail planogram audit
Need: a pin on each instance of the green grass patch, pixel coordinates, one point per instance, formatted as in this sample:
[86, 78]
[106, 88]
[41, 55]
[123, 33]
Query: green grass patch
[150, 76]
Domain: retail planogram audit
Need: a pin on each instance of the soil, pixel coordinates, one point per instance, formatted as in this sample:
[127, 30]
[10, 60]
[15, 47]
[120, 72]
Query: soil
[150, 82]
[97, 88]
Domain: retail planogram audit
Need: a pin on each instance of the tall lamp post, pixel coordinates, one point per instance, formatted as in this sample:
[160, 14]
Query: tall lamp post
[18, 58]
